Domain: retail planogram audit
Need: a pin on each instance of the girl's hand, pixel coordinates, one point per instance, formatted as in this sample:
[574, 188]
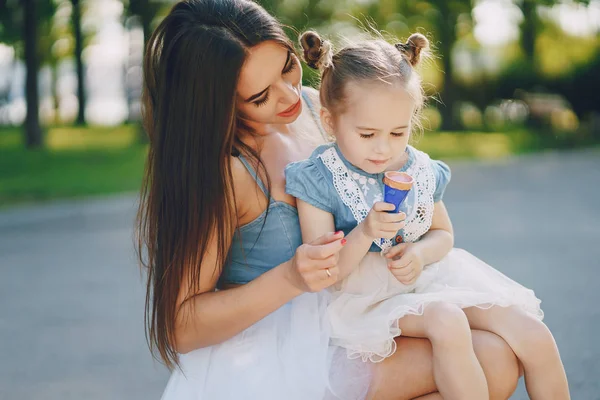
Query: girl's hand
[405, 262]
[382, 224]
[314, 266]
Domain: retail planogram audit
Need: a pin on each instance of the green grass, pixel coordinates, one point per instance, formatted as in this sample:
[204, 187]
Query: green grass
[477, 145]
[90, 161]
[76, 162]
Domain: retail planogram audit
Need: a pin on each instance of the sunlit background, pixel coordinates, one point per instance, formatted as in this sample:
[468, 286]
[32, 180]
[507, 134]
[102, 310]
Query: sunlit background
[521, 73]
[514, 100]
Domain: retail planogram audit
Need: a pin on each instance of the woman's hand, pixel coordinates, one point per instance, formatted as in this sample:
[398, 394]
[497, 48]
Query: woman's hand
[405, 262]
[314, 266]
[382, 224]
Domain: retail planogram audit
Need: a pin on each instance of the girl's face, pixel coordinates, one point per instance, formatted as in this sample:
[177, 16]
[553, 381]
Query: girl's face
[374, 128]
[270, 85]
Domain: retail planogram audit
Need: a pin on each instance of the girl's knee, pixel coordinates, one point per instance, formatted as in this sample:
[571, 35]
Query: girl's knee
[535, 338]
[525, 333]
[446, 322]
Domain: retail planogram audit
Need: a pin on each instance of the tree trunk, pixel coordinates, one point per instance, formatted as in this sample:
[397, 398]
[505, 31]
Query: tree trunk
[447, 28]
[529, 30]
[146, 17]
[76, 20]
[55, 97]
[33, 131]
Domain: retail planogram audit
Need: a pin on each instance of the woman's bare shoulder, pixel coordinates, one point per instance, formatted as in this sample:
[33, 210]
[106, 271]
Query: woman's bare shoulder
[242, 183]
[241, 177]
[313, 95]
[307, 125]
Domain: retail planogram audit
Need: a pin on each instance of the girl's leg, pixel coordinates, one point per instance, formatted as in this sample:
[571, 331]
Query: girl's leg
[457, 372]
[408, 373]
[533, 344]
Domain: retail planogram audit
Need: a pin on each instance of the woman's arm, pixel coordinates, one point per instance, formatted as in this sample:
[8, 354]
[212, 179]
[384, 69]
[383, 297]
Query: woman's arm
[206, 316]
[314, 222]
[209, 317]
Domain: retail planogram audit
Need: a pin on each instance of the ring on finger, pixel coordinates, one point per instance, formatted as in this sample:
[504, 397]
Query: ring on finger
[328, 272]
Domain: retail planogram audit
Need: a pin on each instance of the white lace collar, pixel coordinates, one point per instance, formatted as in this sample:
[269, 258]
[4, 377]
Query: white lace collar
[359, 190]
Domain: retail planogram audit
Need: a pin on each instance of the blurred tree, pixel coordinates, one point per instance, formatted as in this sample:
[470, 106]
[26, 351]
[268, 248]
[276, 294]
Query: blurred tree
[61, 42]
[440, 19]
[445, 22]
[22, 24]
[78, 35]
[566, 65]
[581, 86]
[146, 10]
[531, 24]
[33, 131]
[530, 27]
[10, 21]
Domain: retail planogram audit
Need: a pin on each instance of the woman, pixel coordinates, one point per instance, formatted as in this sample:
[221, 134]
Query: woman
[234, 300]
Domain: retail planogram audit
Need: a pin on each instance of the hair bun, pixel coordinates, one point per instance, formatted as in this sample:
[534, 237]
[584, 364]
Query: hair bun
[413, 47]
[317, 52]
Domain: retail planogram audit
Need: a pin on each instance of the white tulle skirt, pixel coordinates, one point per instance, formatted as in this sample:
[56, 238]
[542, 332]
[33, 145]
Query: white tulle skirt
[366, 306]
[286, 355]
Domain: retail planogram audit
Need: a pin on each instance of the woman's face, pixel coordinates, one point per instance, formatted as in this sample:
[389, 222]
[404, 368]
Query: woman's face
[270, 85]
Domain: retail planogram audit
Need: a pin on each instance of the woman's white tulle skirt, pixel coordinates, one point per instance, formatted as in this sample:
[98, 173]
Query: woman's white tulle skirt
[286, 355]
[315, 346]
[366, 306]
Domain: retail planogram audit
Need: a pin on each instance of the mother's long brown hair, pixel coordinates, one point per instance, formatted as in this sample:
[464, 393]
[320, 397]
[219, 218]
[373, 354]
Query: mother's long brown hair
[191, 69]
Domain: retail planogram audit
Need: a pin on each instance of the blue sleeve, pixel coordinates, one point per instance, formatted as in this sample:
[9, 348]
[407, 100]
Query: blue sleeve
[305, 181]
[442, 177]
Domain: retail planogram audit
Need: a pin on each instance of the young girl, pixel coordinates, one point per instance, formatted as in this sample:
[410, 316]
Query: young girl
[398, 272]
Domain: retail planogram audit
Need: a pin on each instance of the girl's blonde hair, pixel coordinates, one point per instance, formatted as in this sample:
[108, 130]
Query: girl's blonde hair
[366, 61]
